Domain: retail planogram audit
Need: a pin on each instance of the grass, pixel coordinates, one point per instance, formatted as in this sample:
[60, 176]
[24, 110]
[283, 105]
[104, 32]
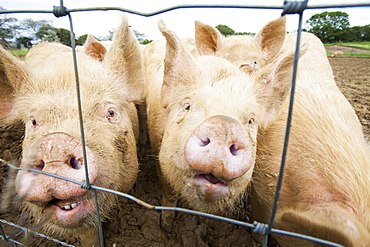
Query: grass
[19, 52]
[352, 54]
[360, 45]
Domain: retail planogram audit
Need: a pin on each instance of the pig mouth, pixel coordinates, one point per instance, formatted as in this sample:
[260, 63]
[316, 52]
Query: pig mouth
[65, 205]
[209, 187]
[210, 178]
[69, 213]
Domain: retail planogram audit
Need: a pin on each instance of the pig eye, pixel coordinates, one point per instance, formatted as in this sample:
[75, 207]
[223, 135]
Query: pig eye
[251, 121]
[34, 122]
[111, 115]
[255, 62]
[187, 106]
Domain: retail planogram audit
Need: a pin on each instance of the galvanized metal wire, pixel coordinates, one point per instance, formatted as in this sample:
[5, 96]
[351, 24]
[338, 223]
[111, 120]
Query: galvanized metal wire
[58, 12]
[290, 7]
[26, 230]
[255, 226]
[197, 6]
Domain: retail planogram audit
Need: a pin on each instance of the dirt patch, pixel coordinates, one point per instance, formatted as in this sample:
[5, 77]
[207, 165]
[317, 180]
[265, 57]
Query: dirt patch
[133, 225]
[353, 77]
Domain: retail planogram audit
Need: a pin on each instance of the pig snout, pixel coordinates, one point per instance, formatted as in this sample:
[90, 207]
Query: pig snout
[59, 154]
[219, 151]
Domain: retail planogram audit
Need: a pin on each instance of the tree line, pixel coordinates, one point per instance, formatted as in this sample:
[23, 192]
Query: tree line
[334, 27]
[330, 27]
[23, 33]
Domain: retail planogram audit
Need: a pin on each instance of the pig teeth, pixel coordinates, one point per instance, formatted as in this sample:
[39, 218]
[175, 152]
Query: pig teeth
[189, 185]
[69, 207]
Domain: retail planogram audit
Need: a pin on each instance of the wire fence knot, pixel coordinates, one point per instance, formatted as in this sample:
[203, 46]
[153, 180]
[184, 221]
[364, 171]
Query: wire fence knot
[260, 228]
[59, 11]
[294, 7]
[85, 185]
[4, 238]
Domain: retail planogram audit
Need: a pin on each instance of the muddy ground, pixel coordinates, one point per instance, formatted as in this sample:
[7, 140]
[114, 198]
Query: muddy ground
[134, 225]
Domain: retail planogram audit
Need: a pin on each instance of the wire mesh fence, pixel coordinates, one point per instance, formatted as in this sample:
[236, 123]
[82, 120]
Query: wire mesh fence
[289, 7]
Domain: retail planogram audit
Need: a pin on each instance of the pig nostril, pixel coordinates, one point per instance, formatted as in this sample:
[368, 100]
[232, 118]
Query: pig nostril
[74, 163]
[234, 149]
[205, 142]
[40, 164]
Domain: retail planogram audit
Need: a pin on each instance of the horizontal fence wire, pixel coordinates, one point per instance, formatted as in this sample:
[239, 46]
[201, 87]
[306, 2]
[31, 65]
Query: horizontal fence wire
[59, 11]
[192, 6]
[255, 226]
[26, 231]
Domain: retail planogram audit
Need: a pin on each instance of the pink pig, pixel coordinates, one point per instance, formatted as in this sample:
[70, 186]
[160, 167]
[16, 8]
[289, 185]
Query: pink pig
[326, 187]
[203, 118]
[41, 92]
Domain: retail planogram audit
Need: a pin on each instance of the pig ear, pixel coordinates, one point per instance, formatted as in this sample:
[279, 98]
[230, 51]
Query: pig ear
[12, 75]
[208, 39]
[94, 48]
[274, 82]
[271, 37]
[178, 64]
[124, 59]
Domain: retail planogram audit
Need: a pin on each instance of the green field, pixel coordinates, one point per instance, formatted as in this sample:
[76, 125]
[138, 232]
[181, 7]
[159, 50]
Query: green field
[19, 52]
[352, 54]
[359, 45]
[362, 45]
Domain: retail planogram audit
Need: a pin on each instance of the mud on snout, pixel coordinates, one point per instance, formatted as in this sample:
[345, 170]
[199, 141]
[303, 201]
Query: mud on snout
[60, 154]
[220, 153]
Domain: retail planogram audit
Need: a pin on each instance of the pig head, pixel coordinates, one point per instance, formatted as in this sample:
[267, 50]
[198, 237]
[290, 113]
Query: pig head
[325, 192]
[245, 51]
[204, 114]
[41, 92]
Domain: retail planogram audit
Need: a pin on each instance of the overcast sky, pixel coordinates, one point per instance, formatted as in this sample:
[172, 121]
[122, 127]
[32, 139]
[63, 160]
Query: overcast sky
[98, 23]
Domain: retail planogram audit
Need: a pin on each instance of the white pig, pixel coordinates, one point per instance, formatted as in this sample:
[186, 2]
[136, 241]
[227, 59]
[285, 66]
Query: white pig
[326, 187]
[203, 118]
[41, 92]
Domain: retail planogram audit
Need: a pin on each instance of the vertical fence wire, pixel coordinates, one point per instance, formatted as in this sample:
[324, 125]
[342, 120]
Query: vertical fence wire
[2, 233]
[58, 12]
[290, 7]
